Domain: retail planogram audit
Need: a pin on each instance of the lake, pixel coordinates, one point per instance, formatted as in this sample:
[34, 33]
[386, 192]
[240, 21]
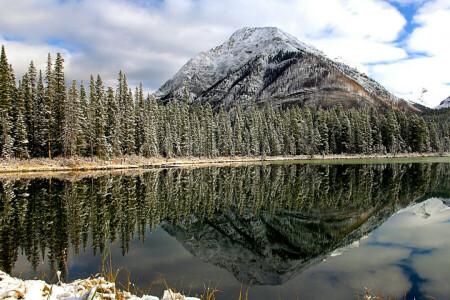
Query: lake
[316, 231]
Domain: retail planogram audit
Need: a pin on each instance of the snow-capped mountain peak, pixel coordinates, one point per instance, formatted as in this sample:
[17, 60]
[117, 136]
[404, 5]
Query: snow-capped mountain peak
[444, 104]
[259, 65]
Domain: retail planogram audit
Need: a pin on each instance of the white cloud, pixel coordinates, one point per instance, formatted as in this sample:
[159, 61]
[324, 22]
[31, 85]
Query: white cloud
[407, 77]
[150, 41]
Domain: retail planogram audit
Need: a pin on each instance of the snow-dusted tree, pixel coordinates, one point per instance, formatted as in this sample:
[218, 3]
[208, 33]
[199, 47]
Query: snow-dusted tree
[21, 142]
[59, 103]
[98, 102]
[6, 141]
[19, 127]
[210, 134]
[149, 146]
[85, 146]
[139, 117]
[113, 128]
[72, 127]
[30, 105]
[238, 131]
[185, 126]
[225, 141]
[47, 114]
[129, 126]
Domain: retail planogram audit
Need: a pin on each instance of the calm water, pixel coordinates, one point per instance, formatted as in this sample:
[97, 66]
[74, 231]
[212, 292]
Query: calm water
[316, 231]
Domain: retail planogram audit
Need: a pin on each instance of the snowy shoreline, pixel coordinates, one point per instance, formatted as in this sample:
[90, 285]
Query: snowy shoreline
[135, 162]
[83, 289]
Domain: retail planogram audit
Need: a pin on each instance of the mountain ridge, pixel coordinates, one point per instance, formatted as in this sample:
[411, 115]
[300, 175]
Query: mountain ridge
[267, 65]
[444, 103]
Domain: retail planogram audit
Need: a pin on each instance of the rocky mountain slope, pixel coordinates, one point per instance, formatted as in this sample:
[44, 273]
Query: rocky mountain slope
[266, 65]
[444, 104]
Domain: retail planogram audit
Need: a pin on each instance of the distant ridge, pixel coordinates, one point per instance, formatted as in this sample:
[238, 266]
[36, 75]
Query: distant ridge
[444, 104]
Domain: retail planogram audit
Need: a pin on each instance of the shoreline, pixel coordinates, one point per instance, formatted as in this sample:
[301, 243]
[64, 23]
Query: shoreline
[81, 164]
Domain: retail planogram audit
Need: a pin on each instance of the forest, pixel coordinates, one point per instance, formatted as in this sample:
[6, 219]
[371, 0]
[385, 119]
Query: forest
[42, 117]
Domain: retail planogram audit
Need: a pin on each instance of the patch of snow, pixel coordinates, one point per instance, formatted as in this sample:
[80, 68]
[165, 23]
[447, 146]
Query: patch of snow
[444, 104]
[427, 209]
[85, 289]
[342, 250]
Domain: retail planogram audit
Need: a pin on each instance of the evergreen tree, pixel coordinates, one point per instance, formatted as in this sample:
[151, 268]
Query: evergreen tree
[113, 129]
[59, 103]
[48, 115]
[237, 132]
[6, 141]
[83, 141]
[40, 120]
[129, 127]
[322, 128]
[149, 147]
[139, 117]
[30, 105]
[102, 146]
[72, 128]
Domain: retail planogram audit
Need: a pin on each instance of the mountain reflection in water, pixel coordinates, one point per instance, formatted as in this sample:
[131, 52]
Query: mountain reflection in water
[263, 223]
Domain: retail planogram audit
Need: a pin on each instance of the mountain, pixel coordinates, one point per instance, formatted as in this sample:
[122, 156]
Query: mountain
[444, 104]
[269, 249]
[267, 65]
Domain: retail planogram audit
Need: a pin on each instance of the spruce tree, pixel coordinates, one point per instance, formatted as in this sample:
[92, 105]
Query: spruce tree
[6, 141]
[129, 127]
[101, 147]
[40, 117]
[30, 105]
[139, 116]
[85, 146]
[59, 103]
[48, 116]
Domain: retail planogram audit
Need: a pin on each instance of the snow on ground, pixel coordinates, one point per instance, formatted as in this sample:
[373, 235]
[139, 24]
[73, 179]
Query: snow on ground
[85, 289]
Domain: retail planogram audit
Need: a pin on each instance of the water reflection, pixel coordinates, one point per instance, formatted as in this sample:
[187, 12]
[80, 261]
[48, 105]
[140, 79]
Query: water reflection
[263, 223]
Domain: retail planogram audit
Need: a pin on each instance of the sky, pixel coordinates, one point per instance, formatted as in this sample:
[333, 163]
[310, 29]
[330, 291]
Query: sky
[402, 44]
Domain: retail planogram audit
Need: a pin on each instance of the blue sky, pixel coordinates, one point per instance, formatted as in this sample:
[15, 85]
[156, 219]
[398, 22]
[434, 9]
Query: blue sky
[403, 44]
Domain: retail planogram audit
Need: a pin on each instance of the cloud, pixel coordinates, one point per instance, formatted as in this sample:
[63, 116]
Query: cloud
[424, 68]
[151, 40]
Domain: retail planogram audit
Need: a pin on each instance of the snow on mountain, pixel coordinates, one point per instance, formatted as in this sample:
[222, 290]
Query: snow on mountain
[258, 65]
[444, 104]
[430, 209]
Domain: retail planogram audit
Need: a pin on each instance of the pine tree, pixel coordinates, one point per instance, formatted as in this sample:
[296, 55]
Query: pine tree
[48, 115]
[6, 141]
[113, 128]
[72, 127]
[139, 117]
[40, 118]
[434, 138]
[59, 103]
[149, 147]
[185, 141]
[101, 147]
[210, 135]
[21, 142]
[85, 146]
[30, 105]
[322, 146]
[129, 127]
[238, 131]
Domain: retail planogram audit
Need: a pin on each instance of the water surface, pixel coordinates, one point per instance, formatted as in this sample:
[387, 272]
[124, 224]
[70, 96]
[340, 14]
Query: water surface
[316, 231]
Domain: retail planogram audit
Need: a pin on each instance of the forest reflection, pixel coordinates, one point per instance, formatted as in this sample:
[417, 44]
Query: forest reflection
[45, 218]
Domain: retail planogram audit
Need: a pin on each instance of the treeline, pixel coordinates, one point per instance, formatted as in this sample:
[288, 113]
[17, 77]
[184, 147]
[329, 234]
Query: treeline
[48, 218]
[41, 117]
